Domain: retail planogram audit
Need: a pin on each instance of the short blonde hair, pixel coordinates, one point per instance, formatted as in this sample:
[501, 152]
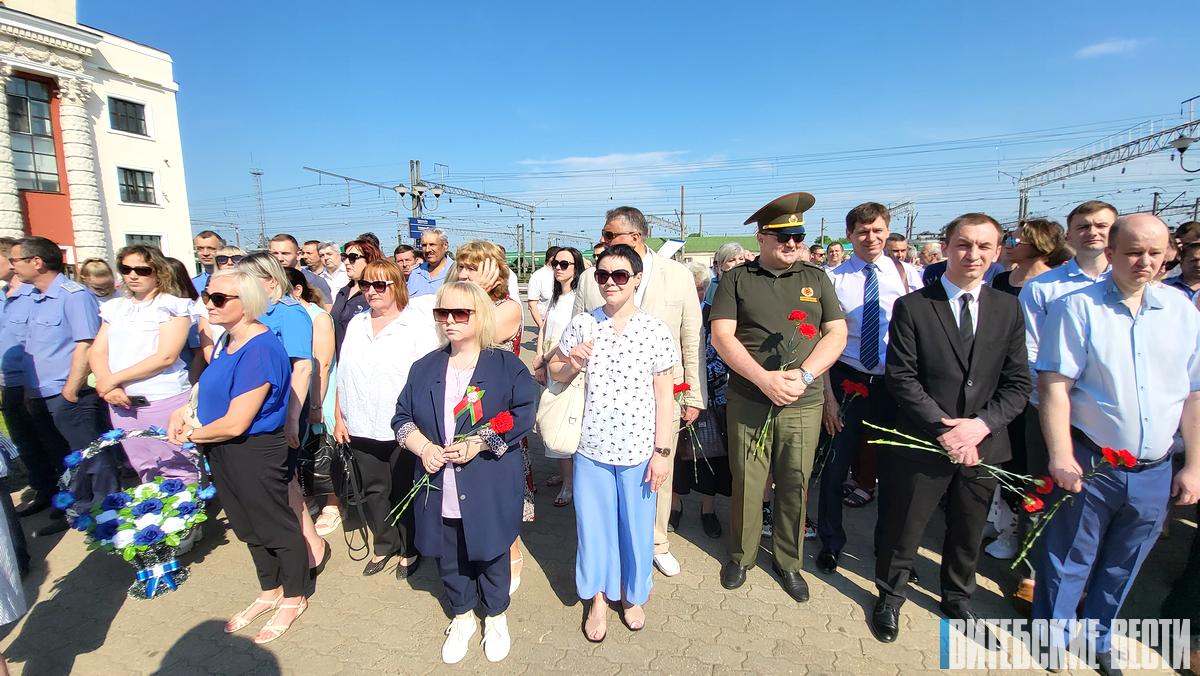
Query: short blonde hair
[476, 251]
[250, 291]
[263, 266]
[230, 250]
[476, 299]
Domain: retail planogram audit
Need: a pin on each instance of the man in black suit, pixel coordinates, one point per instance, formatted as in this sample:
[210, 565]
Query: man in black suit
[956, 369]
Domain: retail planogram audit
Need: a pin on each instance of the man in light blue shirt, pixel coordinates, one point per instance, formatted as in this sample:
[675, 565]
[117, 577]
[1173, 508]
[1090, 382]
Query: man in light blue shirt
[207, 243]
[427, 277]
[63, 321]
[1120, 369]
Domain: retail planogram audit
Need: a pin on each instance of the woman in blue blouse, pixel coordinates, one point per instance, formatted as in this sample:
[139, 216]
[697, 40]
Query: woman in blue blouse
[241, 406]
[474, 515]
[290, 323]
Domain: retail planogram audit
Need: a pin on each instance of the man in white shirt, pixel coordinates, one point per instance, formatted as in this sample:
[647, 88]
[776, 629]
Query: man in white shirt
[833, 255]
[867, 285]
[541, 288]
[897, 249]
[333, 271]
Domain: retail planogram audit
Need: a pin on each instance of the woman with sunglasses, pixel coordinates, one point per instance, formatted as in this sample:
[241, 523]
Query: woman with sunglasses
[567, 266]
[1032, 248]
[470, 522]
[228, 256]
[380, 347]
[137, 359]
[486, 264]
[242, 403]
[350, 300]
[628, 433]
[292, 326]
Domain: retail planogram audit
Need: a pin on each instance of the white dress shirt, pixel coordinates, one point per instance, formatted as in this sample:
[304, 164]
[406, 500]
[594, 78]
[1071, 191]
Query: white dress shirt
[849, 282]
[954, 294]
[336, 279]
[647, 263]
[373, 369]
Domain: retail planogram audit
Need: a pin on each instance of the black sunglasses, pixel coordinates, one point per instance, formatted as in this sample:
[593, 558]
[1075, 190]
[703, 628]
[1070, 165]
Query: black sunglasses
[609, 235]
[379, 286]
[142, 270]
[354, 258]
[443, 314]
[226, 260]
[619, 277]
[217, 299]
[562, 265]
[784, 239]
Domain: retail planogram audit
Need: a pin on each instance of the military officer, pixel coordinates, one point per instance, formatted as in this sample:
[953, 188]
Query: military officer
[63, 321]
[778, 325]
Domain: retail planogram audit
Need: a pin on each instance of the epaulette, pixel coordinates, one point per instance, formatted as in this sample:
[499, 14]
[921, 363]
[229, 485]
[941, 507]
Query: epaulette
[72, 287]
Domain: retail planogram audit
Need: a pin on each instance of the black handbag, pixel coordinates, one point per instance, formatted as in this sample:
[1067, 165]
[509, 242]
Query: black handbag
[328, 468]
[320, 462]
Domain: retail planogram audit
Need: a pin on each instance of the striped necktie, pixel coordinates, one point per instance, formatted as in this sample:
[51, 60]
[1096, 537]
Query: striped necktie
[868, 344]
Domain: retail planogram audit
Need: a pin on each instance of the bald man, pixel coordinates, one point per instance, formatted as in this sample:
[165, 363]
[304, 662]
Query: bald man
[1109, 380]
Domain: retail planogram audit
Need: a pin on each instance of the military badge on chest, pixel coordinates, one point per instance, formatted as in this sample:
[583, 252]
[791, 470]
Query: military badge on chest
[807, 295]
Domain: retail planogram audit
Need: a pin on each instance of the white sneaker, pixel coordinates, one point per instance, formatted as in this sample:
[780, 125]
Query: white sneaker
[666, 564]
[458, 638]
[496, 641]
[1004, 547]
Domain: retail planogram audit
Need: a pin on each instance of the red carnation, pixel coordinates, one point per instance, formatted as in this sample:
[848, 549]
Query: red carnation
[1126, 458]
[502, 423]
[1033, 503]
[849, 387]
[808, 331]
[863, 390]
[682, 387]
[1043, 485]
[797, 316]
[1110, 456]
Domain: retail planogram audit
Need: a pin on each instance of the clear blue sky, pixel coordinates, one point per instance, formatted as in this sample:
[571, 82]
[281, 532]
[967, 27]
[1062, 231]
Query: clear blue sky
[580, 107]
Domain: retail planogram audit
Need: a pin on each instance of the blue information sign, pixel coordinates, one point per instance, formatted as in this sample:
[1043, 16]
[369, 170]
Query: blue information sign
[416, 225]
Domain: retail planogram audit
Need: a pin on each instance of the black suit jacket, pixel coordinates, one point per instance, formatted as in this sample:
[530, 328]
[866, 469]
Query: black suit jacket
[931, 377]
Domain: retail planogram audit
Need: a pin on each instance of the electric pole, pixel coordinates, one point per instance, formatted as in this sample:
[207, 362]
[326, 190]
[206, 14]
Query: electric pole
[414, 174]
[262, 211]
[682, 223]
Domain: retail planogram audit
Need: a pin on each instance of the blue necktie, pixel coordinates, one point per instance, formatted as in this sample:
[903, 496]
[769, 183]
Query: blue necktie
[868, 344]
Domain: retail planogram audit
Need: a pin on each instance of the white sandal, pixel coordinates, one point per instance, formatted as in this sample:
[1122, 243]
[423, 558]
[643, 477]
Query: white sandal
[240, 621]
[328, 521]
[278, 630]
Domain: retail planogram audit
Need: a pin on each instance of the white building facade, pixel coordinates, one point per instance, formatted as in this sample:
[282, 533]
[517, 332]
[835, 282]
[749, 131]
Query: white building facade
[92, 158]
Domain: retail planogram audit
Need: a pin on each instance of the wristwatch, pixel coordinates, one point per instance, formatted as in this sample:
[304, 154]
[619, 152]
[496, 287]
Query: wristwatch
[807, 376]
[664, 452]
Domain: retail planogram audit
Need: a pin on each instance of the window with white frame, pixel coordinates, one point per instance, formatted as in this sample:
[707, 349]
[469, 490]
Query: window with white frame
[127, 116]
[137, 187]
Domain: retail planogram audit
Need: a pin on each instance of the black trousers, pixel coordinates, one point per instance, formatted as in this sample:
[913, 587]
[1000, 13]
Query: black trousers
[252, 478]
[912, 496]
[878, 408]
[37, 458]
[63, 426]
[387, 476]
[466, 581]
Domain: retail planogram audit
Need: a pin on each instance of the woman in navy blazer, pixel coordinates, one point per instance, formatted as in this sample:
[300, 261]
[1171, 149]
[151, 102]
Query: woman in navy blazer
[469, 522]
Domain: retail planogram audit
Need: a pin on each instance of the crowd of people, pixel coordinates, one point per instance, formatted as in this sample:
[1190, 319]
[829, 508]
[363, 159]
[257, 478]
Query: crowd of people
[1032, 348]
